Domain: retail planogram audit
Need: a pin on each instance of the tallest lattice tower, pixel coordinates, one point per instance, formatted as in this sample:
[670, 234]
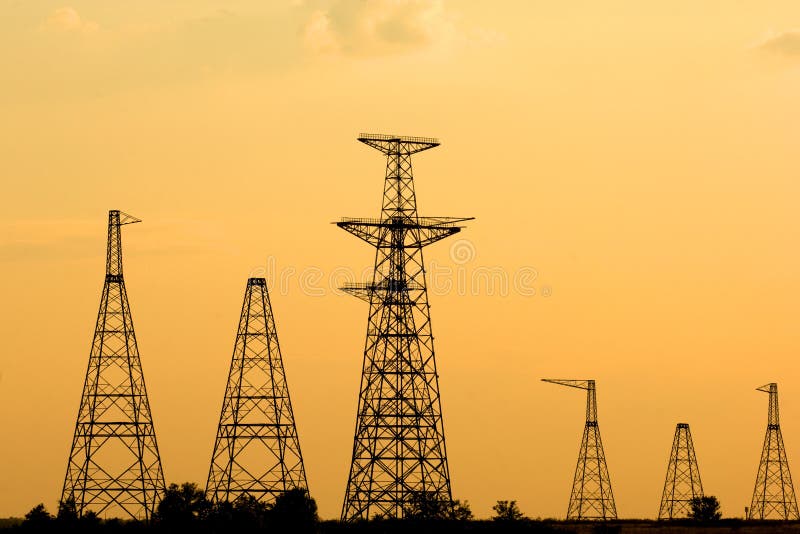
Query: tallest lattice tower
[399, 448]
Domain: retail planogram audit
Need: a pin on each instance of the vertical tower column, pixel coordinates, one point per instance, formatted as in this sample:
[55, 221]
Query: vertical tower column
[682, 483]
[591, 496]
[114, 467]
[399, 453]
[773, 495]
[257, 451]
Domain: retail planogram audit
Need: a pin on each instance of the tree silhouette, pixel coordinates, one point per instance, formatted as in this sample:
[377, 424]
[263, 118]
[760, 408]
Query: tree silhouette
[182, 505]
[67, 511]
[68, 519]
[425, 505]
[245, 514]
[38, 518]
[460, 511]
[705, 508]
[507, 511]
[294, 511]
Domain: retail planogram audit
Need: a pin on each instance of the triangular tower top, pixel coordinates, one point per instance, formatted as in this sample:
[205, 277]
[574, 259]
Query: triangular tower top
[682, 483]
[257, 451]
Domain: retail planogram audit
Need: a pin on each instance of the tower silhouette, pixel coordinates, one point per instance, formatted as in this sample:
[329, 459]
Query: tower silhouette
[399, 447]
[114, 467]
[257, 451]
[682, 483]
[773, 495]
[591, 496]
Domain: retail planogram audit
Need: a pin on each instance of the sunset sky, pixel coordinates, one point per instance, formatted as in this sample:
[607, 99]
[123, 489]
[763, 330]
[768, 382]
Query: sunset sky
[632, 167]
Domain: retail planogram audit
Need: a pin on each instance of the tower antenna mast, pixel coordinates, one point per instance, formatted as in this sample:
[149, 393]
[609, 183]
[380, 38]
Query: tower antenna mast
[114, 467]
[773, 495]
[399, 454]
[591, 496]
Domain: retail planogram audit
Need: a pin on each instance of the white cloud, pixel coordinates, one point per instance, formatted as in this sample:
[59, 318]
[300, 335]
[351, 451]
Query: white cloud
[318, 35]
[66, 19]
[786, 43]
[381, 27]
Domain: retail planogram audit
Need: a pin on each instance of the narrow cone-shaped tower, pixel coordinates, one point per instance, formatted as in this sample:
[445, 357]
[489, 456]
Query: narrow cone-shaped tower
[683, 477]
[773, 495]
[114, 468]
[257, 451]
[591, 496]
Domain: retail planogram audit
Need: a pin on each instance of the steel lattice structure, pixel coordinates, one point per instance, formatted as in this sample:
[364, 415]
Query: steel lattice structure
[683, 482]
[114, 466]
[399, 446]
[591, 496]
[773, 495]
[257, 451]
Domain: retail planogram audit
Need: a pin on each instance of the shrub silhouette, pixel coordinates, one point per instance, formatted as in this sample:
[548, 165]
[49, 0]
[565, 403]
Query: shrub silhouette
[245, 514]
[705, 508]
[507, 511]
[426, 505]
[182, 505]
[294, 511]
[37, 519]
[67, 511]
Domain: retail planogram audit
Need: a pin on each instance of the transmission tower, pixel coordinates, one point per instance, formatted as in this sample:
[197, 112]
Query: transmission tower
[399, 448]
[114, 467]
[773, 495]
[591, 496]
[257, 451]
[683, 477]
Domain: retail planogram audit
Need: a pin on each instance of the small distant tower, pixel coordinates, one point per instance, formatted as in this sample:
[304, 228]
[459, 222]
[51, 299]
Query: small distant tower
[591, 496]
[683, 477]
[773, 495]
[257, 451]
[114, 468]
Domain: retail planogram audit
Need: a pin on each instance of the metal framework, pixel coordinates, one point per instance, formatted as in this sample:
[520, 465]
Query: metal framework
[773, 495]
[399, 447]
[683, 482]
[591, 496]
[114, 467]
[257, 451]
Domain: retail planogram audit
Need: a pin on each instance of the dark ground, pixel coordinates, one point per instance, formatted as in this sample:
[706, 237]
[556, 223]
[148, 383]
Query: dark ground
[466, 527]
[679, 527]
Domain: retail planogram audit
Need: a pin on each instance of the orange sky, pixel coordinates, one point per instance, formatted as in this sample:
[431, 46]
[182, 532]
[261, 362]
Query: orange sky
[640, 157]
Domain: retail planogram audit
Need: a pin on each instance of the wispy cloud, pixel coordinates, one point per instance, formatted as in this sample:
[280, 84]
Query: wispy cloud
[786, 43]
[39, 240]
[91, 53]
[67, 19]
[77, 239]
[383, 27]
[86, 56]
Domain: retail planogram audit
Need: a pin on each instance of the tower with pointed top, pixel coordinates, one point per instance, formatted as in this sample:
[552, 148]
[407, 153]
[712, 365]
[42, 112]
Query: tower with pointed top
[773, 495]
[399, 453]
[114, 467]
[257, 451]
[591, 496]
[683, 482]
